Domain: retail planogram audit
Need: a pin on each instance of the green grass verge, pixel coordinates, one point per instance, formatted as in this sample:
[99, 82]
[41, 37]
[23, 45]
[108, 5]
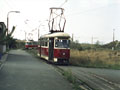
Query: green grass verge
[69, 76]
[77, 85]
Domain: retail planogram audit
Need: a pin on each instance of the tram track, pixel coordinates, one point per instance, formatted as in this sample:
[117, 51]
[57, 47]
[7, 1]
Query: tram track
[89, 80]
[82, 85]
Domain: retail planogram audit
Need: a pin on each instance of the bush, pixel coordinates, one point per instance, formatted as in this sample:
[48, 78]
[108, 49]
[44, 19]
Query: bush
[74, 45]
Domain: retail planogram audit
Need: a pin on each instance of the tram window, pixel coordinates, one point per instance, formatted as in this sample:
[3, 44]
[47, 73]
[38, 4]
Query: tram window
[39, 43]
[28, 43]
[42, 43]
[62, 43]
[35, 43]
[45, 43]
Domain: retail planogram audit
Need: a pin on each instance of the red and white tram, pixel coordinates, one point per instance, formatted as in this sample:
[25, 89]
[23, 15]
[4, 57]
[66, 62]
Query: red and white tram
[55, 48]
[31, 45]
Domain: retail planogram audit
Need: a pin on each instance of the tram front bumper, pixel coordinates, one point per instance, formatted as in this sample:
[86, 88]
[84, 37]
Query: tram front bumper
[61, 61]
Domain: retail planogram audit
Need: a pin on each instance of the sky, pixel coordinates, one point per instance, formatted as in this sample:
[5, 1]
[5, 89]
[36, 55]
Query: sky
[87, 20]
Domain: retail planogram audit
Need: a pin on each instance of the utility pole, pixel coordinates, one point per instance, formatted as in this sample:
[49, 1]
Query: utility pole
[25, 35]
[39, 30]
[38, 34]
[92, 39]
[72, 37]
[113, 35]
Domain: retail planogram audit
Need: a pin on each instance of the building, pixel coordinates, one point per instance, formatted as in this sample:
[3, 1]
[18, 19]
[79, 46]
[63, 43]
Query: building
[2, 37]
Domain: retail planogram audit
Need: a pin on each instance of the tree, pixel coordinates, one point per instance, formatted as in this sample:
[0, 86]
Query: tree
[5, 39]
[75, 45]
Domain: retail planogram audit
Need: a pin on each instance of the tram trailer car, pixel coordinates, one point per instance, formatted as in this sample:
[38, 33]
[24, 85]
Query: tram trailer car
[31, 45]
[55, 47]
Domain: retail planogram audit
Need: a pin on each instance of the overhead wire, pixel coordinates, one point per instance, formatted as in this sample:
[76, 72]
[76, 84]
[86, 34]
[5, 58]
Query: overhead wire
[89, 10]
[63, 3]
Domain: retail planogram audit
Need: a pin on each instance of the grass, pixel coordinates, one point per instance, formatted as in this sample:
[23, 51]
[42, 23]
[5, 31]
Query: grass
[72, 79]
[92, 58]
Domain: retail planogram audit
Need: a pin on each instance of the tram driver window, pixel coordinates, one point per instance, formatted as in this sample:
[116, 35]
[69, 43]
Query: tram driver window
[62, 43]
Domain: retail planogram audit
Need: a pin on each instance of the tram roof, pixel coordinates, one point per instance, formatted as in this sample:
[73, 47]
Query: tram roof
[57, 34]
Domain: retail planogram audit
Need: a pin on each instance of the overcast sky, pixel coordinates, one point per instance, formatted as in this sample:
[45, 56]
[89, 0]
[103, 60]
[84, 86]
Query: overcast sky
[85, 18]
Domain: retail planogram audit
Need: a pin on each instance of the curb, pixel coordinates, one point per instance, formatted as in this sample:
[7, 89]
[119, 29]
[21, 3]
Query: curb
[3, 59]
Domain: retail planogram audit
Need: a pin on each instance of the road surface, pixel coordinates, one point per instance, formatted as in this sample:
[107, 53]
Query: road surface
[99, 79]
[22, 71]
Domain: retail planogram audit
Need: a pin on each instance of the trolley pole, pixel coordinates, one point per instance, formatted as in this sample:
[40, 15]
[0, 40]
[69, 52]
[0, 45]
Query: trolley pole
[38, 34]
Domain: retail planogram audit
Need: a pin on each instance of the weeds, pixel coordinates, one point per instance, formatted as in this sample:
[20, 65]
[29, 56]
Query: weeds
[92, 58]
[69, 76]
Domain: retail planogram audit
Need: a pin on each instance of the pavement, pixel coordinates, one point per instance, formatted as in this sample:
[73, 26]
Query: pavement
[22, 71]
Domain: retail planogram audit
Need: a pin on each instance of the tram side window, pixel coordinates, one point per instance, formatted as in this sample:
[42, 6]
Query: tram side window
[62, 43]
[44, 42]
[35, 43]
[41, 42]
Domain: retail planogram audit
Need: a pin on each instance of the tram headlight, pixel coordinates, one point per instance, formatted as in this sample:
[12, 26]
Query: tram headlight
[55, 60]
[64, 54]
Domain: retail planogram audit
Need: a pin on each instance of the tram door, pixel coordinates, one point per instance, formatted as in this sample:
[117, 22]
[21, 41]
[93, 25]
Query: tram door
[51, 48]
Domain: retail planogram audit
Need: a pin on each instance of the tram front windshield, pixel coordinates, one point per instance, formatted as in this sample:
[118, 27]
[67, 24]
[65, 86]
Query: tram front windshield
[35, 43]
[28, 43]
[62, 43]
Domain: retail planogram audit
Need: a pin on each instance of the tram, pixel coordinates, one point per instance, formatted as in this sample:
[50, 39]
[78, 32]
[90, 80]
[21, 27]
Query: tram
[55, 47]
[31, 45]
